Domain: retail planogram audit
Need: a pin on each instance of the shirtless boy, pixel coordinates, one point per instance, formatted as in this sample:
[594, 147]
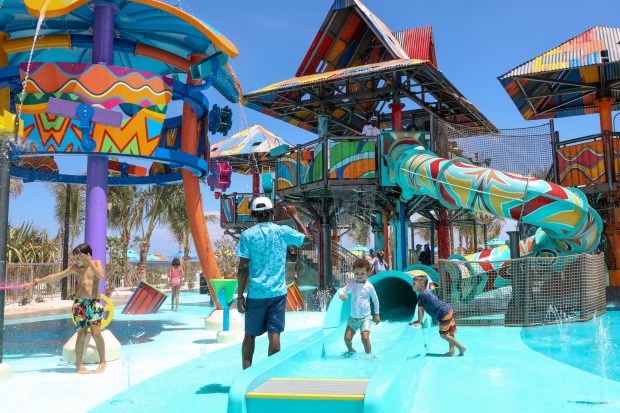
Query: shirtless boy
[87, 309]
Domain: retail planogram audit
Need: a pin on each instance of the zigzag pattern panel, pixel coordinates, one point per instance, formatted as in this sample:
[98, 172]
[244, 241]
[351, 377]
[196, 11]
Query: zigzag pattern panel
[43, 132]
[108, 86]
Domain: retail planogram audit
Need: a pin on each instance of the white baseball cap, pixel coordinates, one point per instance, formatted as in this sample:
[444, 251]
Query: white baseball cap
[262, 203]
[373, 117]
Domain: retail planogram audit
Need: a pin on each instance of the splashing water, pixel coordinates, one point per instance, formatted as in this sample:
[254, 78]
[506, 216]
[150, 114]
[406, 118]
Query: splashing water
[22, 95]
[562, 328]
[322, 298]
[129, 362]
[603, 345]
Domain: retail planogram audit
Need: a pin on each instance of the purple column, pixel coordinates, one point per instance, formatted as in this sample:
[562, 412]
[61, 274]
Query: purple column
[97, 168]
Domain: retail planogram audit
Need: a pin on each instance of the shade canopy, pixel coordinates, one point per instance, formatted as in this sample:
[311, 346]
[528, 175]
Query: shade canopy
[247, 147]
[566, 80]
[181, 255]
[132, 255]
[359, 248]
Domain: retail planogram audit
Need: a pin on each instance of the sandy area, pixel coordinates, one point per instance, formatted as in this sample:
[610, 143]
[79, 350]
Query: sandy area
[54, 306]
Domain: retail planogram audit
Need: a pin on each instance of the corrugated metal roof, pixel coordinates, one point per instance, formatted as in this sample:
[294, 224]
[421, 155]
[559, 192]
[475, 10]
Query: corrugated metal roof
[580, 51]
[566, 80]
[418, 43]
[336, 74]
[350, 35]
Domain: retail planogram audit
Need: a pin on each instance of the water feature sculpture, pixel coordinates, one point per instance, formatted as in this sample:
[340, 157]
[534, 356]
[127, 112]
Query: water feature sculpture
[89, 57]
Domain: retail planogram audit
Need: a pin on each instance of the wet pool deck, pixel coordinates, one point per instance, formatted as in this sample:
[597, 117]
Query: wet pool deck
[152, 345]
[170, 363]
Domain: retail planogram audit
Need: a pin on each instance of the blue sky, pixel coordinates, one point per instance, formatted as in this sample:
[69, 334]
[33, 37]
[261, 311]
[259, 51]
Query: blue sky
[476, 41]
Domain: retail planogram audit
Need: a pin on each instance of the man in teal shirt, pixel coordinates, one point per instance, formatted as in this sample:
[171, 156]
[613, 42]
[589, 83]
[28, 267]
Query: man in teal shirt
[262, 260]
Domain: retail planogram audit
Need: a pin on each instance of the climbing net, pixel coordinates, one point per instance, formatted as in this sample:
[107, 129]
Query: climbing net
[523, 151]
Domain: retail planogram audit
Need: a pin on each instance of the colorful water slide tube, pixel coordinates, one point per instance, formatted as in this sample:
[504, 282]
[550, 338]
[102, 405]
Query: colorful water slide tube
[273, 384]
[567, 224]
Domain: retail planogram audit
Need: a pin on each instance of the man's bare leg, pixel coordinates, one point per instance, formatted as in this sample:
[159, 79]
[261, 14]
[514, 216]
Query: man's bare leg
[274, 343]
[100, 343]
[247, 350]
[79, 350]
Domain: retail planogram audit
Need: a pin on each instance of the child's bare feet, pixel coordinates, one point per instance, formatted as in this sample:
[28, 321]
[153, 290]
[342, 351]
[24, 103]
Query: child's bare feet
[100, 368]
[462, 351]
[81, 369]
[449, 354]
[352, 350]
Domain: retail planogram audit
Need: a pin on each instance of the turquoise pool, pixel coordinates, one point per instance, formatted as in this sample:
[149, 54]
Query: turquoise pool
[170, 363]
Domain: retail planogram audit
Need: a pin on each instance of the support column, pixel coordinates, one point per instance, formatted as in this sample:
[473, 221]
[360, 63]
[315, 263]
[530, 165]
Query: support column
[397, 115]
[5, 169]
[97, 166]
[444, 228]
[611, 227]
[255, 182]
[401, 243]
[326, 250]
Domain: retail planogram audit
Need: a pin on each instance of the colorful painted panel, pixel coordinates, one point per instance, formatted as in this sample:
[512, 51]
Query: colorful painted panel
[584, 164]
[108, 86]
[352, 160]
[243, 208]
[227, 210]
[287, 171]
[42, 164]
[311, 164]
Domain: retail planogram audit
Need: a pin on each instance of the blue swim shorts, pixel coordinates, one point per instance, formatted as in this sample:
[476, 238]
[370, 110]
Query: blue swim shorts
[265, 314]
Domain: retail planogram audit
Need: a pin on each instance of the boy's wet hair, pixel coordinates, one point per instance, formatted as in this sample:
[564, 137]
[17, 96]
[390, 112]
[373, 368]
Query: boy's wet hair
[424, 280]
[361, 263]
[83, 249]
[176, 262]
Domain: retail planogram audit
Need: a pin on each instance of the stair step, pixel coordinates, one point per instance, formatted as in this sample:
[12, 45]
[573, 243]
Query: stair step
[310, 389]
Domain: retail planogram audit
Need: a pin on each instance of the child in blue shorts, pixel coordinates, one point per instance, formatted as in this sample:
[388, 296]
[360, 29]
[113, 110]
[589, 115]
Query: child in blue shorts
[362, 291]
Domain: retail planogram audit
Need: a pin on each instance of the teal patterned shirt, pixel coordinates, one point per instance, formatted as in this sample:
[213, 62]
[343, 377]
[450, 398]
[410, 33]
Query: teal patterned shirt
[264, 245]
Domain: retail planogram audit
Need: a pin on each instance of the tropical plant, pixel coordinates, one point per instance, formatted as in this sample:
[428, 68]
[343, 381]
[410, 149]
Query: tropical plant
[225, 255]
[28, 243]
[118, 266]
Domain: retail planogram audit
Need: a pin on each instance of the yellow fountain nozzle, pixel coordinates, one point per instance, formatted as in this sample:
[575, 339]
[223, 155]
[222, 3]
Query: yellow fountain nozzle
[7, 124]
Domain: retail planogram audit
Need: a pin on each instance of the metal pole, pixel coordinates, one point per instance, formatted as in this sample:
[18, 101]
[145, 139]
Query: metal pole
[555, 138]
[65, 241]
[5, 184]
[327, 245]
[514, 244]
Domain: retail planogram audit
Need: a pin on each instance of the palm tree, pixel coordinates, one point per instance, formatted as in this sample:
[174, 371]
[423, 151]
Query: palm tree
[175, 216]
[76, 211]
[151, 205]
